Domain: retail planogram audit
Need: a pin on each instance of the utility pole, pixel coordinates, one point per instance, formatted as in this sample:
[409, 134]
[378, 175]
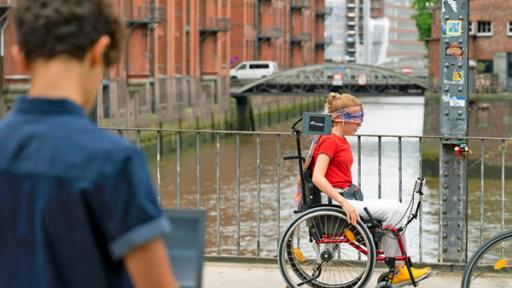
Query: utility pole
[453, 123]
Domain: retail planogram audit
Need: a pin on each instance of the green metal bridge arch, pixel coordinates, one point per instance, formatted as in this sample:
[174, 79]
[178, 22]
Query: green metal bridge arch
[323, 78]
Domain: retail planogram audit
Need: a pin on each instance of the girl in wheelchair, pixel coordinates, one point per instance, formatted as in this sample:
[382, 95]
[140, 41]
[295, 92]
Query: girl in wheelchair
[330, 158]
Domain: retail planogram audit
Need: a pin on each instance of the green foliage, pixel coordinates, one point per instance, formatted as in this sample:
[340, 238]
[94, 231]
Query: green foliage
[480, 67]
[423, 17]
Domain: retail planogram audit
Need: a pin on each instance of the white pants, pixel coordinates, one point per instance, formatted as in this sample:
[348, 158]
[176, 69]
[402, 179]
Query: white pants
[390, 212]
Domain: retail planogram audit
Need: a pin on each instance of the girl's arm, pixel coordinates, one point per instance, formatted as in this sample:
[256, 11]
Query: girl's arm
[322, 161]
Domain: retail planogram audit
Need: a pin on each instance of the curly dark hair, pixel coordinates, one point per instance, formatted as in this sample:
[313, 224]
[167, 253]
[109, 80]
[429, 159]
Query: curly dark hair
[49, 28]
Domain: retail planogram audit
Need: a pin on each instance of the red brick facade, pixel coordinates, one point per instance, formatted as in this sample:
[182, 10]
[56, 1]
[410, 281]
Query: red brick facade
[481, 48]
[290, 32]
[179, 53]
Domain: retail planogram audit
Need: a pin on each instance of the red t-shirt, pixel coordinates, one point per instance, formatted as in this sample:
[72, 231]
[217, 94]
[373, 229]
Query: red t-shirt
[338, 149]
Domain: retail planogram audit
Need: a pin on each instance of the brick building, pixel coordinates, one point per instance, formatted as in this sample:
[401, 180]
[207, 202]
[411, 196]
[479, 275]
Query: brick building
[175, 67]
[179, 53]
[290, 32]
[490, 41]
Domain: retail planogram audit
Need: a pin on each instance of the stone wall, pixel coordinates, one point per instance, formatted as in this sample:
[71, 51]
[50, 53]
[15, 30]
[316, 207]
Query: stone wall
[179, 101]
[265, 103]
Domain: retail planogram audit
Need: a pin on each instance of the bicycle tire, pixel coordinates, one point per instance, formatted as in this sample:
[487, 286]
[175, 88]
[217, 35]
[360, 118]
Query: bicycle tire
[480, 254]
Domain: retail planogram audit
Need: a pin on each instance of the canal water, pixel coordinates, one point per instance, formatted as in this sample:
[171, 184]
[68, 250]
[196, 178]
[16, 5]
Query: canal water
[264, 196]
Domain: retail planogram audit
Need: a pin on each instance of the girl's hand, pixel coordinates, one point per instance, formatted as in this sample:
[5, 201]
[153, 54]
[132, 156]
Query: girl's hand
[351, 212]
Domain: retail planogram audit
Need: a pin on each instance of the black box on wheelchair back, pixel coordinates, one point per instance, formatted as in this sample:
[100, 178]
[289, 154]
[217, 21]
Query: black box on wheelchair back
[316, 123]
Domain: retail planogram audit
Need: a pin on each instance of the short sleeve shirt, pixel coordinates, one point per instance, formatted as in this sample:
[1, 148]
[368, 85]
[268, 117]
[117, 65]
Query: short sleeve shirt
[74, 199]
[339, 169]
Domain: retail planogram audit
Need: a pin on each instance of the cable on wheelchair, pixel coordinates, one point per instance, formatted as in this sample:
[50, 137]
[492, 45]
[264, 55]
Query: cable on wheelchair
[413, 214]
[410, 211]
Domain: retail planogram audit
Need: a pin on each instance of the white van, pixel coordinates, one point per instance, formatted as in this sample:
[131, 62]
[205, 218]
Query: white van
[253, 70]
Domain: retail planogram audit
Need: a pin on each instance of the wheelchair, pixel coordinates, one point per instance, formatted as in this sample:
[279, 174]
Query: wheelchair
[321, 249]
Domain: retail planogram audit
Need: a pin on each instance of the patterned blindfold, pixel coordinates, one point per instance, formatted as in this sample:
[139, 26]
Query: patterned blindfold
[353, 114]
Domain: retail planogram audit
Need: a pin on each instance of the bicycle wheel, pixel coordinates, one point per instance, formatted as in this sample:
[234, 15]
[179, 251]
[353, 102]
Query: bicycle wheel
[321, 249]
[491, 265]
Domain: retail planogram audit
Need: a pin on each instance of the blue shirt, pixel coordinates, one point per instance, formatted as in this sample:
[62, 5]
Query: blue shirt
[74, 199]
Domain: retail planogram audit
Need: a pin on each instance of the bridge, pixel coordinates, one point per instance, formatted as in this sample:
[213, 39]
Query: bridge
[320, 79]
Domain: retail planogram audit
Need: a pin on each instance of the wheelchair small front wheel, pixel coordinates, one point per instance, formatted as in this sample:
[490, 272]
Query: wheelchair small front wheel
[321, 249]
[383, 277]
[384, 285]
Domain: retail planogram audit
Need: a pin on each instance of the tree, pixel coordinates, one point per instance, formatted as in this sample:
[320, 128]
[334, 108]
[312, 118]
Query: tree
[423, 17]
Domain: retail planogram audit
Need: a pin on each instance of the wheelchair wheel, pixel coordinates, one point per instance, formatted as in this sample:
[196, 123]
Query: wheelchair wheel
[491, 265]
[321, 249]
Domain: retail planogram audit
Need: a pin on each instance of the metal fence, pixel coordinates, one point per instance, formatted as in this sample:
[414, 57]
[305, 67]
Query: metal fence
[241, 180]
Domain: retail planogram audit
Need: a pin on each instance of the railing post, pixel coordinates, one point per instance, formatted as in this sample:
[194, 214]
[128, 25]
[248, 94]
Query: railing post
[453, 116]
[269, 116]
[259, 118]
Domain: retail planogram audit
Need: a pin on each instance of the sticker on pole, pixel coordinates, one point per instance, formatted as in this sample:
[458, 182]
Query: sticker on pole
[457, 76]
[453, 5]
[454, 27]
[457, 101]
[337, 79]
[454, 50]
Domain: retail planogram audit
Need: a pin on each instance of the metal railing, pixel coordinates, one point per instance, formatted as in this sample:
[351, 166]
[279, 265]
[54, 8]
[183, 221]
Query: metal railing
[299, 4]
[215, 24]
[265, 33]
[324, 11]
[146, 14]
[269, 33]
[241, 180]
[326, 41]
[301, 37]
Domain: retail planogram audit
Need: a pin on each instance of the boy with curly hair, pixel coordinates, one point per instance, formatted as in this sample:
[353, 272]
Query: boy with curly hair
[77, 206]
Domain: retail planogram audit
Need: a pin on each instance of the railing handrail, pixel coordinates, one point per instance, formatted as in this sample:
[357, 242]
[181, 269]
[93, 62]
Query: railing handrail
[290, 133]
[145, 12]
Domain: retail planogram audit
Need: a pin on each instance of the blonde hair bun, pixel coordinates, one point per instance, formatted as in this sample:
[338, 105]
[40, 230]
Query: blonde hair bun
[337, 101]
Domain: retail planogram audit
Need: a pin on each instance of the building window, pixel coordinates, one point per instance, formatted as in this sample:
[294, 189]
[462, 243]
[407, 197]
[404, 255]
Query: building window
[509, 28]
[484, 28]
[485, 66]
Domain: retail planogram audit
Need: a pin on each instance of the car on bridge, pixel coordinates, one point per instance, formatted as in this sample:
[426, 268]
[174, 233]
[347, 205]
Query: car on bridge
[253, 70]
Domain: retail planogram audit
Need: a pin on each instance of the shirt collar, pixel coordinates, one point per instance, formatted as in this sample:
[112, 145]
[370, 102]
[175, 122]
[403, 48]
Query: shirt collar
[25, 104]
